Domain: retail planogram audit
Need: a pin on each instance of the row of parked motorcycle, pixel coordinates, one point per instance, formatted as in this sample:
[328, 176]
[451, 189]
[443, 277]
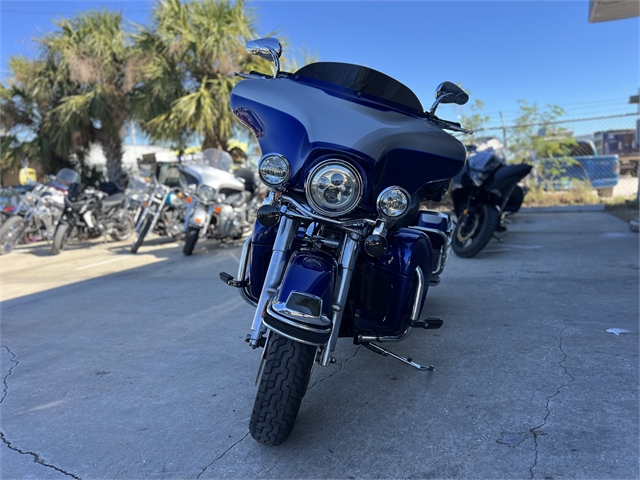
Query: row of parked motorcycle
[202, 198]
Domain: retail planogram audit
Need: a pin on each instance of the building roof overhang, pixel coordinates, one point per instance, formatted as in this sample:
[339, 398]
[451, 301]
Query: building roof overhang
[605, 10]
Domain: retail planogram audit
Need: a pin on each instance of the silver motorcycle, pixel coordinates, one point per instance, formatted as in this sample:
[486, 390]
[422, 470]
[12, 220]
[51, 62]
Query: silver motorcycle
[36, 216]
[163, 213]
[222, 206]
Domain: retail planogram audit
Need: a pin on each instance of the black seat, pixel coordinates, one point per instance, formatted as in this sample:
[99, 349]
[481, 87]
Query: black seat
[113, 200]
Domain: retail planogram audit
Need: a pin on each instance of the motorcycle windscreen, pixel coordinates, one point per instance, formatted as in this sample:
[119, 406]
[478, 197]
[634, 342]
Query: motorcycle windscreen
[392, 147]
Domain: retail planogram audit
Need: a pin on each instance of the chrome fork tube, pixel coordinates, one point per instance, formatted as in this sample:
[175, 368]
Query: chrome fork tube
[347, 264]
[286, 233]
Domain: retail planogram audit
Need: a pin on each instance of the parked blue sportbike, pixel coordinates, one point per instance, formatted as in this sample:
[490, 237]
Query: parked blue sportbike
[340, 247]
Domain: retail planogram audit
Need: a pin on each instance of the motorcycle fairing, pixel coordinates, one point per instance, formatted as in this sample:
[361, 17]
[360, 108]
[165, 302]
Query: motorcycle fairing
[392, 147]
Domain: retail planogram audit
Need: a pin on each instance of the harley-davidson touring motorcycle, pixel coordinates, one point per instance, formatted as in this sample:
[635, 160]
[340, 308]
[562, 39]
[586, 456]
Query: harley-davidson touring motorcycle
[223, 204]
[340, 247]
[483, 193]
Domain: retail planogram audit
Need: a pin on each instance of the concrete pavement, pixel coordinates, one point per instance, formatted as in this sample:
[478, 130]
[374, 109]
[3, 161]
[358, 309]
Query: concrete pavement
[137, 368]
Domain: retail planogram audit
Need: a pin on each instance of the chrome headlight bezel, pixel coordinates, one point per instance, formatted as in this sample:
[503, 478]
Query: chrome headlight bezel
[206, 193]
[266, 176]
[383, 210]
[346, 169]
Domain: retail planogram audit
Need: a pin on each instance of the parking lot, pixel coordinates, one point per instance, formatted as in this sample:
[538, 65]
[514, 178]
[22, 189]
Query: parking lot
[135, 366]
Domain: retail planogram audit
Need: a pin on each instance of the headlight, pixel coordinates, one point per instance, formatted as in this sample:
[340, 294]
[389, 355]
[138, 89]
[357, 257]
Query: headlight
[334, 188]
[206, 193]
[274, 170]
[393, 202]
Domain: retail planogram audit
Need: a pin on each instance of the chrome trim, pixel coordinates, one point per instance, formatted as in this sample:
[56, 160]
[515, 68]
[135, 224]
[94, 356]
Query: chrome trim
[444, 253]
[394, 338]
[415, 311]
[306, 214]
[287, 230]
[340, 163]
[347, 264]
[290, 337]
[242, 271]
[290, 321]
[283, 309]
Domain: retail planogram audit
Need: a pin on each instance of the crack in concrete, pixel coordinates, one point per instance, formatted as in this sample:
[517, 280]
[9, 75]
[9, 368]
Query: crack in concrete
[544, 420]
[340, 365]
[222, 455]
[36, 458]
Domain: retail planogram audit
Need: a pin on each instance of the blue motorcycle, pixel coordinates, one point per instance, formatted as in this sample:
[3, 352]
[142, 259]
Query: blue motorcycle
[341, 248]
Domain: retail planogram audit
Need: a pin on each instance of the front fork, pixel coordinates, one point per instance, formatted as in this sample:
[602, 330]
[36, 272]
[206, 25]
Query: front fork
[279, 258]
[284, 239]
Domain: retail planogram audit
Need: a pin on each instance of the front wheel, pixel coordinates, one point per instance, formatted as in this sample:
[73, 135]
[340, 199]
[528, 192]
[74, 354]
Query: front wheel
[123, 227]
[473, 231]
[143, 233]
[59, 238]
[11, 233]
[283, 383]
[190, 240]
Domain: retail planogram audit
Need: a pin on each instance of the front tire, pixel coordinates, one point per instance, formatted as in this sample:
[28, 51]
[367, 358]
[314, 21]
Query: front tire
[11, 233]
[283, 384]
[143, 233]
[190, 240]
[124, 226]
[469, 240]
[59, 238]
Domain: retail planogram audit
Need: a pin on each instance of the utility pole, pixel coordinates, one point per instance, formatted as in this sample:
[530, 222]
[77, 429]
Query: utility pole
[504, 133]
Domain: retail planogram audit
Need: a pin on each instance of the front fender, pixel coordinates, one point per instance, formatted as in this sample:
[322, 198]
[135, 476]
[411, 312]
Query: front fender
[302, 306]
[199, 218]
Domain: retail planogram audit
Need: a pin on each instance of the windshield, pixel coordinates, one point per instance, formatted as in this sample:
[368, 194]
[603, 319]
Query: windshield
[217, 159]
[66, 176]
[484, 161]
[363, 81]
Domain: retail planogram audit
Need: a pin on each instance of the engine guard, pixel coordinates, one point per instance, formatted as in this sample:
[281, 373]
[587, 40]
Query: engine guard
[302, 307]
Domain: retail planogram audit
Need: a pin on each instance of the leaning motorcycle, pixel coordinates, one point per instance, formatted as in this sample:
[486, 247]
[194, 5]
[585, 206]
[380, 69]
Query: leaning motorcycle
[223, 206]
[163, 213]
[90, 213]
[340, 247]
[483, 193]
[36, 216]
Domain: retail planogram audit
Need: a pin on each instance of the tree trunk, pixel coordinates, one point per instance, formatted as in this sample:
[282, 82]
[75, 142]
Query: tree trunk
[212, 140]
[112, 149]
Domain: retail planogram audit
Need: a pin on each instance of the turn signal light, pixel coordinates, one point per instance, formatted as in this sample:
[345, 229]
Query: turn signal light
[144, 204]
[218, 209]
[180, 195]
[197, 220]
[189, 200]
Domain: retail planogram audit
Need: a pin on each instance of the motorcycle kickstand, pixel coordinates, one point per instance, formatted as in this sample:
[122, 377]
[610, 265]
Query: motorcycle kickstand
[384, 352]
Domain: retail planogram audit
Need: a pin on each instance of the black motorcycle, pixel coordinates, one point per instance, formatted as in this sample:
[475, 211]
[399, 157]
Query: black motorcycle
[483, 193]
[90, 213]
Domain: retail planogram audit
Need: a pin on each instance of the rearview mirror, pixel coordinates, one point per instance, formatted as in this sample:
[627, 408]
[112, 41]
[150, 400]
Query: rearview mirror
[268, 48]
[451, 93]
[264, 47]
[448, 92]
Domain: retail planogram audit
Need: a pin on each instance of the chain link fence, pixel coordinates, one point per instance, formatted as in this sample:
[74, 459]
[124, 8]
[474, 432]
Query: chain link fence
[595, 154]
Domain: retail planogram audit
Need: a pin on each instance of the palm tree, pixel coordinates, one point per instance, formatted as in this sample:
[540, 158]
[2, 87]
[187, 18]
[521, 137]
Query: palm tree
[95, 51]
[35, 88]
[190, 54]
